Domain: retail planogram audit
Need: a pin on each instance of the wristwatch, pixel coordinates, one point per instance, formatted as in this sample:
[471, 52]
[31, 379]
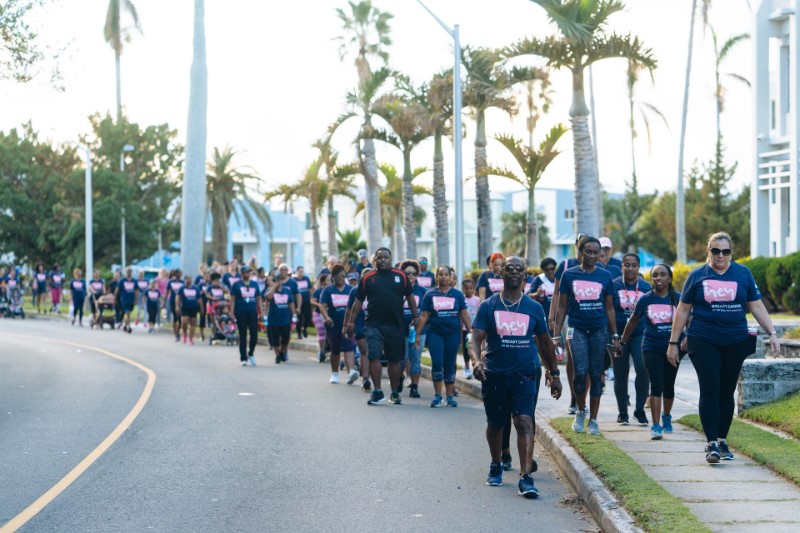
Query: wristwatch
[555, 373]
[675, 343]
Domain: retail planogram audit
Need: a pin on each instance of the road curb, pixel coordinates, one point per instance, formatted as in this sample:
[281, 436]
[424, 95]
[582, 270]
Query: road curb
[604, 506]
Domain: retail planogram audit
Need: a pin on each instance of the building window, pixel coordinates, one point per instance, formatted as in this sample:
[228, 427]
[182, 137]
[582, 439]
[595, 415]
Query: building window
[238, 252]
[569, 214]
[772, 196]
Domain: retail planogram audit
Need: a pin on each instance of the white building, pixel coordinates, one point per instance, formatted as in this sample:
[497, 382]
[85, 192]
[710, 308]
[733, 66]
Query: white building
[775, 195]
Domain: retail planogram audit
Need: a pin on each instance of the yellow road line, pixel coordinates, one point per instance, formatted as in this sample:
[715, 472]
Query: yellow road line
[31, 511]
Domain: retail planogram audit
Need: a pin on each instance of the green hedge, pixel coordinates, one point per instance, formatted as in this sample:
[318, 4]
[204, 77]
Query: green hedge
[779, 280]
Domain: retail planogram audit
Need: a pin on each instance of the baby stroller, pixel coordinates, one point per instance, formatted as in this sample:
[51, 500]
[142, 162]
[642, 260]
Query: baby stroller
[222, 325]
[105, 304]
[14, 303]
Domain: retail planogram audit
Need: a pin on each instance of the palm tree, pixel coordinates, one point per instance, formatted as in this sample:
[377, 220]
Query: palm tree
[410, 125]
[487, 87]
[194, 183]
[366, 34]
[533, 163]
[116, 35]
[582, 41]
[513, 238]
[720, 55]
[349, 244]
[340, 183]
[227, 196]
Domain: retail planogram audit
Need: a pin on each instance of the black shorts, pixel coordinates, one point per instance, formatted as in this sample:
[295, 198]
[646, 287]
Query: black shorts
[514, 392]
[387, 340]
[338, 342]
[278, 335]
[126, 307]
[190, 312]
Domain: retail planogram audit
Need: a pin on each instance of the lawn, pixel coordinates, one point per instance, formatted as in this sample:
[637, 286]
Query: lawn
[651, 505]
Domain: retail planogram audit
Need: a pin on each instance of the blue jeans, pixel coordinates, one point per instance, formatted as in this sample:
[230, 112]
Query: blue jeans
[414, 356]
[588, 351]
[444, 351]
[622, 367]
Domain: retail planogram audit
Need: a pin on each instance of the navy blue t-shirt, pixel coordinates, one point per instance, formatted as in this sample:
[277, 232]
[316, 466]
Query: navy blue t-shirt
[97, 286]
[549, 286]
[56, 279]
[625, 298]
[142, 285]
[173, 286]
[303, 285]
[491, 282]
[719, 303]
[656, 314]
[229, 280]
[361, 319]
[291, 284]
[127, 291]
[418, 293]
[190, 297]
[78, 288]
[245, 294]
[279, 313]
[444, 309]
[426, 280]
[587, 297]
[153, 295]
[360, 267]
[336, 302]
[510, 334]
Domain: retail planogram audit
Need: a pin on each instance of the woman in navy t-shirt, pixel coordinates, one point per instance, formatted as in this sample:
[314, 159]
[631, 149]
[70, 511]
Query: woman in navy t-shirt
[587, 295]
[653, 313]
[77, 290]
[543, 285]
[333, 305]
[412, 363]
[718, 296]
[628, 289]
[56, 288]
[39, 285]
[175, 284]
[316, 317]
[491, 281]
[279, 298]
[188, 302]
[443, 310]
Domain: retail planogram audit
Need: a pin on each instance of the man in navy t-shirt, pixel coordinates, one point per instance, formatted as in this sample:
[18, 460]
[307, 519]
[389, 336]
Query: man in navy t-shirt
[125, 295]
[425, 278]
[247, 309]
[303, 284]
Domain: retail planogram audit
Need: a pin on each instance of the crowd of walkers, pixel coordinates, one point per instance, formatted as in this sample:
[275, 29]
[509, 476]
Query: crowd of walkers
[511, 327]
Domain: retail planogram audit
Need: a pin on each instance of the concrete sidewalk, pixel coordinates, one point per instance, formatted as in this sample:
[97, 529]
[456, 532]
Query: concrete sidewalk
[737, 495]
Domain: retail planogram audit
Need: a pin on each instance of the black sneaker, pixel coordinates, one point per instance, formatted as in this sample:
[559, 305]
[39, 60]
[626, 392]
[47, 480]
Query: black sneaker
[402, 380]
[622, 420]
[395, 398]
[366, 386]
[377, 398]
[526, 487]
[285, 357]
[534, 466]
[495, 478]
[641, 417]
[278, 359]
[321, 357]
[712, 453]
[506, 459]
[413, 392]
[455, 392]
[724, 451]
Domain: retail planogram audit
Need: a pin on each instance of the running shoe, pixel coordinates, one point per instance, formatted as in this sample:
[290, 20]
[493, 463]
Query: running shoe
[495, 478]
[278, 359]
[366, 386]
[455, 392]
[610, 374]
[712, 453]
[437, 401]
[580, 420]
[395, 399]
[377, 398]
[191, 341]
[452, 401]
[526, 487]
[335, 378]
[413, 391]
[184, 337]
[573, 408]
[251, 358]
[467, 373]
[592, 428]
[724, 451]
[321, 357]
[622, 420]
[402, 380]
[534, 466]
[285, 357]
[666, 423]
[641, 417]
[352, 376]
[177, 338]
[244, 363]
[656, 433]
[506, 460]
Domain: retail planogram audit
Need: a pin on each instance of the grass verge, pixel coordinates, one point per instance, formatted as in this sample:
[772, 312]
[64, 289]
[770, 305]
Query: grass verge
[651, 505]
[783, 414]
[776, 453]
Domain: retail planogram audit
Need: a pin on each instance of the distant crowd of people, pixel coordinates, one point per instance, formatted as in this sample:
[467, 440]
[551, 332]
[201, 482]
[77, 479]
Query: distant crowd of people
[593, 310]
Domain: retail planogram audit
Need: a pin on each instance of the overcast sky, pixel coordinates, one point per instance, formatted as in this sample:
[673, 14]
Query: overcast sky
[276, 81]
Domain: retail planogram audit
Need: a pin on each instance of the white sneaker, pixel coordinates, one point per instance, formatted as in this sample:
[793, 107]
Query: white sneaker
[467, 373]
[593, 428]
[352, 376]
[335, 377]
[580, 420]
[610, 374]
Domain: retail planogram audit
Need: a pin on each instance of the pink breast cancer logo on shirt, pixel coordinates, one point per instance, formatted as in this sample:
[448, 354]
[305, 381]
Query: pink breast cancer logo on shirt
[424, 281]
[443, 303]
[495, 284]
[76, 285]
[340, 300]
[364, 305]
[627, 300]
[189, 293]
[527, 288]
[586, 290]
[281, 299]
[175, 285]
[660, 313]
[57, 278]
[41, 277]
[248, 292]
[97, 286]
[719, 291]
[405, 302]
[302, 285]
[129, 286]
[217, 293]
[510, 324]
[143, 285]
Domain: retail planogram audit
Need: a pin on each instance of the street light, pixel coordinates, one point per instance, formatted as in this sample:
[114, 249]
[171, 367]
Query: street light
[126, 148]
[88, 214]
[457, 96]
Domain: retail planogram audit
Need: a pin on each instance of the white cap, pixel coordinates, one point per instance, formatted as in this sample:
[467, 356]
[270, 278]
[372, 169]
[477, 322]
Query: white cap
[605, 242]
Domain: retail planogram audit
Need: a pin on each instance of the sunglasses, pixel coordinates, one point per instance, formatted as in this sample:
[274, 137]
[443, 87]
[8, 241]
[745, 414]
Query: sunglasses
[411, 273]
[725, 251]
[514, 268]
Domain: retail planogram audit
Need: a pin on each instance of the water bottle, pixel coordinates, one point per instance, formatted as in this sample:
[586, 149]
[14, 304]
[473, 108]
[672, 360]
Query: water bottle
[559, 353]
[412, 335]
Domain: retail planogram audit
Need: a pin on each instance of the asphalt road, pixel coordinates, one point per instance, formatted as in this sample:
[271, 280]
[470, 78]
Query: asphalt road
[219, 447]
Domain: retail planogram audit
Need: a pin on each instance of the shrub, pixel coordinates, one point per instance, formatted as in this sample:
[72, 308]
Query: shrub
[793, 333]
[679, 274]
[759, 266]
[783, 281]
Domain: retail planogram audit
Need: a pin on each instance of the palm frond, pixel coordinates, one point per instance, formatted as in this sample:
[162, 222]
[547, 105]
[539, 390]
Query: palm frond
[622, 47]
[738, 77]
[729, 44]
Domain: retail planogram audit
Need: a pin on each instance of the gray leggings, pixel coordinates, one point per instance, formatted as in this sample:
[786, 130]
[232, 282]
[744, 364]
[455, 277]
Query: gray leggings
[588, 351]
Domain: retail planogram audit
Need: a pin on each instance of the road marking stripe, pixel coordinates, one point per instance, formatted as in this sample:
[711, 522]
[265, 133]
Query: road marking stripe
[34, 508]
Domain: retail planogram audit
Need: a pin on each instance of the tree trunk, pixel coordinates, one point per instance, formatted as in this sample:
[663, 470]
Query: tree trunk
[399, 244]
[532, 247]
[482, 198]
[119, 87]
[633, 131]
[680, 202]
[317, 244]
[194, 183]
[219, 234]
[440, 204]
[409, 224]
[333, 244]
[369, 168]
[587, 197]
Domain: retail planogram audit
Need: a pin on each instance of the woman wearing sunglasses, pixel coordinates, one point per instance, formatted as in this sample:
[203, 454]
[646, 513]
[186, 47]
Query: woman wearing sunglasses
[718, 296]
[413, 349]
